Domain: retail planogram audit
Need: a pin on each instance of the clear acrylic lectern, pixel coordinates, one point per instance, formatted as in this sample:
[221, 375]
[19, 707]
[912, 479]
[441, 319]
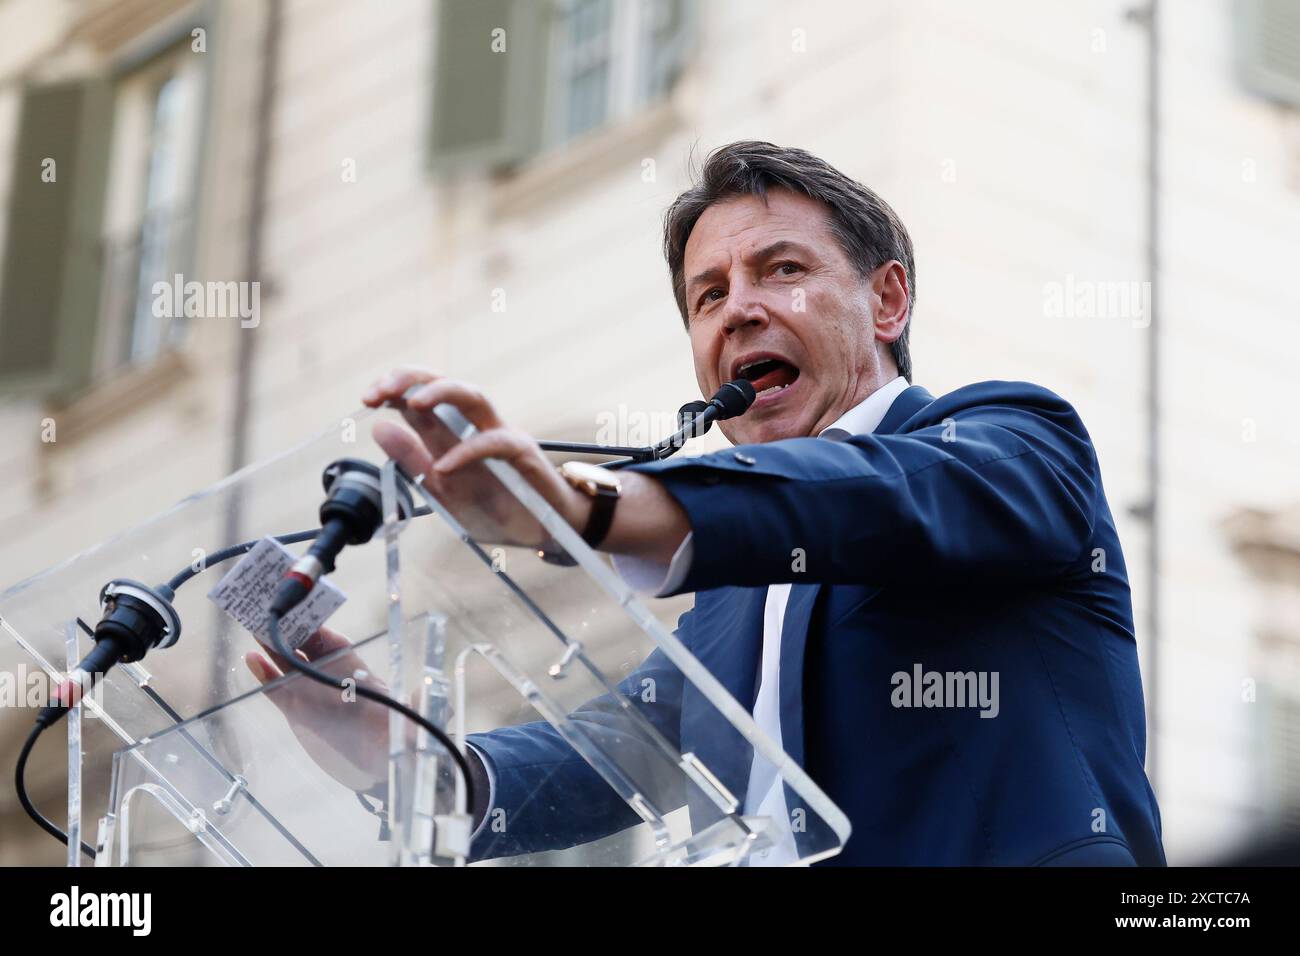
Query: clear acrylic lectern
[608, 742]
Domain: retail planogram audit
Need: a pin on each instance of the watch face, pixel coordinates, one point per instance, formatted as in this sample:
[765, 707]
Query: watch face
[593, 475]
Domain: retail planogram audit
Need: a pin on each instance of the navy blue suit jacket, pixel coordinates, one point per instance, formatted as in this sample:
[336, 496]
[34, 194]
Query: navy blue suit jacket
[969, 533]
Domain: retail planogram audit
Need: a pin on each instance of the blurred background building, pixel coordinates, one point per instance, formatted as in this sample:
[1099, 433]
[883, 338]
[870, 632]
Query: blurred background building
[478, 185]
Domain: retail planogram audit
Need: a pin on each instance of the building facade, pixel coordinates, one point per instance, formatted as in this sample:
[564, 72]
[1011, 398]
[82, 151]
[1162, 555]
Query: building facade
[479, 187]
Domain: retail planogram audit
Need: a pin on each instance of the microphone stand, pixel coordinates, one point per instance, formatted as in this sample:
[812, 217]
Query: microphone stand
[627, 455]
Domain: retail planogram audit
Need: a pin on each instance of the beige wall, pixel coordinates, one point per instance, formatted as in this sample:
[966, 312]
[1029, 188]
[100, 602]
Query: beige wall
[1010, 140]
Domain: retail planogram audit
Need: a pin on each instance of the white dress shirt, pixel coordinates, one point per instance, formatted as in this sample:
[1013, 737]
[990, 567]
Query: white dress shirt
[766, 793]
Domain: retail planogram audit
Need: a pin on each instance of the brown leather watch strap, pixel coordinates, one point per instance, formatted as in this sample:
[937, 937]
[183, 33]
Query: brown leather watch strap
[601, 517]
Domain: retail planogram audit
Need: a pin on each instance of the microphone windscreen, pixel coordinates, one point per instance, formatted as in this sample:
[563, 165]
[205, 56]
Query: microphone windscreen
[734, 398]
[686, 414]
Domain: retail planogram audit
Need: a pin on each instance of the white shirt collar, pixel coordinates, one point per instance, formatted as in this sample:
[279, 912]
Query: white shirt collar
[865, 417]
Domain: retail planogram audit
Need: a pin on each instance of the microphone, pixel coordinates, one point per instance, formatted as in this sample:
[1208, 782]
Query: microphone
[688, 412]
[731, 400]
[136, 619]
[350, 514]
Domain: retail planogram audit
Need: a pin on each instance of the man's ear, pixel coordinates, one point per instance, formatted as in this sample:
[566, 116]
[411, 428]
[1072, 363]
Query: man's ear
[889, 283]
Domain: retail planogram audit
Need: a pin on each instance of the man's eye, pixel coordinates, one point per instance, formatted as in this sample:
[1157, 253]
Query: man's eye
[710, 297]
[792, 268]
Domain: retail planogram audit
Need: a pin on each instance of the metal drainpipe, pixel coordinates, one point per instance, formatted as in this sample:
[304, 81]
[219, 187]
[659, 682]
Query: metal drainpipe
[1149, 18]
[253, 267]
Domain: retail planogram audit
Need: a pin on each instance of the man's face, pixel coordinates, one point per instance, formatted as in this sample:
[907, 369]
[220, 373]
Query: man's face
[771, 297]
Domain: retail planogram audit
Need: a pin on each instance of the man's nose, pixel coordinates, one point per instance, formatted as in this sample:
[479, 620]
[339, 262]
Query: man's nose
[744, 309]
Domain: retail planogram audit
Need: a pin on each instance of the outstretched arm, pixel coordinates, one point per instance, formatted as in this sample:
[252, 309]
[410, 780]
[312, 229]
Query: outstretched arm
[1003, 481]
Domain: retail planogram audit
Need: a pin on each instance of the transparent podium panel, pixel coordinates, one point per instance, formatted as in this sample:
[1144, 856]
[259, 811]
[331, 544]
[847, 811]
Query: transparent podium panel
[595, 735]
[269, 779]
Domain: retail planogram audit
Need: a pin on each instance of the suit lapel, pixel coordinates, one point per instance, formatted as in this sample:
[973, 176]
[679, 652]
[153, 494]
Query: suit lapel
[730, 638]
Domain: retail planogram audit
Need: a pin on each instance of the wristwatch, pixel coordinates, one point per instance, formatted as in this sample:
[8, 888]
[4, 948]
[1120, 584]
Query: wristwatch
[603, 487]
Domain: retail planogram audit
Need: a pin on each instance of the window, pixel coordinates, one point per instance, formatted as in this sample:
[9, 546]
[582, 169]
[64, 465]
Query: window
[147, 228]
[584, 71]
[609, 59]
[514, 78]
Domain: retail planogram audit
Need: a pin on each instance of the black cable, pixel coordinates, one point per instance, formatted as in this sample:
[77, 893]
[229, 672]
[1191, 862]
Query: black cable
[21, 786]
[298, 664]
[235, 550]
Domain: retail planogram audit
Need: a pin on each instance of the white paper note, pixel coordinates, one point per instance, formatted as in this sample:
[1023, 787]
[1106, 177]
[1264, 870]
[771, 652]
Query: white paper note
[246, 591]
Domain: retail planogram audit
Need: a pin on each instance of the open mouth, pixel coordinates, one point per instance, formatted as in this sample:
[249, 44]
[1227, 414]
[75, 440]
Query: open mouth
[768, 375]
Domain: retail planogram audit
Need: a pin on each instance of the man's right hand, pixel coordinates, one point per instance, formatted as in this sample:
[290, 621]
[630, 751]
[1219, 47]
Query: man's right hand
[347, 737]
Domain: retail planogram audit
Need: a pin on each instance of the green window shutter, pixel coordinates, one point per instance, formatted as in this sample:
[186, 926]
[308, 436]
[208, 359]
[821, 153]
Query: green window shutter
[1268, 48]
[487, 105]
[49, 287]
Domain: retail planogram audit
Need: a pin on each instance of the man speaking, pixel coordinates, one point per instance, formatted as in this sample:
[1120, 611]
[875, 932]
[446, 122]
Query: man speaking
[962, 534]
